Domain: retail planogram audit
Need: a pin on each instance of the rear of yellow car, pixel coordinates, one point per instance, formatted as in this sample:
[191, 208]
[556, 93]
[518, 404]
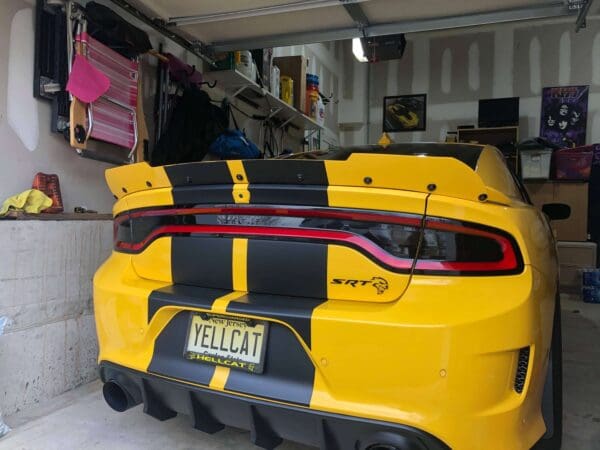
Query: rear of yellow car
[398, 297]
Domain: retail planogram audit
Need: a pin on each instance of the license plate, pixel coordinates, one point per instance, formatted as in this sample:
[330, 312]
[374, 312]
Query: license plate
[220, 340]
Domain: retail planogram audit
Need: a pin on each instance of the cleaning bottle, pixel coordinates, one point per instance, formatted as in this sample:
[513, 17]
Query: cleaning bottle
[312, 95]
[320, 112]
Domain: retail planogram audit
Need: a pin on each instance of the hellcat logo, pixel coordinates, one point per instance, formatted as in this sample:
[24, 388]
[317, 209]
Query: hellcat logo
[378, 283]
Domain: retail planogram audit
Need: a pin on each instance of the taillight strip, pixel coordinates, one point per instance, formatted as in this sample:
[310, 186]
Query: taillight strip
[391, 218]
[511, 261]
[342, 237]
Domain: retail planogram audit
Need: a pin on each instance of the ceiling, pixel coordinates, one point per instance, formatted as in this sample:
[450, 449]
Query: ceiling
[240, 24]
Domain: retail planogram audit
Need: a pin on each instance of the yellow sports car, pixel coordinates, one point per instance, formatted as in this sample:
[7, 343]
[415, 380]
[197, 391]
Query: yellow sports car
[365, 298]
[402, 117]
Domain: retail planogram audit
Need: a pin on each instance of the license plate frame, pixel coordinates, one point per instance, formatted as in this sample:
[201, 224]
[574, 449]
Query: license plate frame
[213, 355]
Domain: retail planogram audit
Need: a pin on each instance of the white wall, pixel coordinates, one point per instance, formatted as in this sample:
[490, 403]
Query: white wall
[27, 144]
[457, 68]
[82, 180]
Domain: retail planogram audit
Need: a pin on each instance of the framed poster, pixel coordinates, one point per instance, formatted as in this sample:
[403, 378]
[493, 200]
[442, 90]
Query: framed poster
[564, 115]
[404, 113]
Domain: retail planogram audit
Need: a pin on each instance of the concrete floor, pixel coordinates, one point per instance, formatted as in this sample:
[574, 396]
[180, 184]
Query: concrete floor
[80, 419]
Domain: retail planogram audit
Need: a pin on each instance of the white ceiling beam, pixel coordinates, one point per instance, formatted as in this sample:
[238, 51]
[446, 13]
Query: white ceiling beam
[544, 11]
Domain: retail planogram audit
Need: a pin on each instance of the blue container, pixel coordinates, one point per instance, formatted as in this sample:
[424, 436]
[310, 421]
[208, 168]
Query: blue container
[591, 294]
[591, 277]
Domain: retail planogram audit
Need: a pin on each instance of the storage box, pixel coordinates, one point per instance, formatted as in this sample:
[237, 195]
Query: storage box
[574, 163]
[224, 61]
[295, 68]
[576, 260]
[574, 194]
[535, 164]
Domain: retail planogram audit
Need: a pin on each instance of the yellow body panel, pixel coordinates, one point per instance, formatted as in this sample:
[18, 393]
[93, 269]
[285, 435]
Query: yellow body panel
[431, 352]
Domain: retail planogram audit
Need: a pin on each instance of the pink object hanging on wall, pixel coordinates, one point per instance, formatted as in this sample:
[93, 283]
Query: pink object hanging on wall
[86, 82]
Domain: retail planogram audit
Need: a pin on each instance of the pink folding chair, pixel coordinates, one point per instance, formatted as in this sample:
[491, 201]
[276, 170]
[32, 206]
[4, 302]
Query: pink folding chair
[112, 117]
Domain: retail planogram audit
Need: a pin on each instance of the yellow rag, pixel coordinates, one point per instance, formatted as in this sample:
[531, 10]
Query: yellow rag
[31, 201]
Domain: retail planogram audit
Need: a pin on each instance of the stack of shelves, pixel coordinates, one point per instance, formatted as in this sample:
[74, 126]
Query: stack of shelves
[237, 85]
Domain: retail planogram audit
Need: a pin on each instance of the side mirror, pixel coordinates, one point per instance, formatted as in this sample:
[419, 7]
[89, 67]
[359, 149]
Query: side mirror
[557, 211]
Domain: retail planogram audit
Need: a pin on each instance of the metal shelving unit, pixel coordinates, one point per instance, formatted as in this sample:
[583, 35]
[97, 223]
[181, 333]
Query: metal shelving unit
[237, 85]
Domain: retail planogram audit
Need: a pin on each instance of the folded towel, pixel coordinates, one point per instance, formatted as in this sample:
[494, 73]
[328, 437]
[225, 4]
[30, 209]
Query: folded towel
[31, 201]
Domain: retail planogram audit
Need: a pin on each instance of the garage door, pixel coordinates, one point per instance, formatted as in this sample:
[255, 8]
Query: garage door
[239, 24]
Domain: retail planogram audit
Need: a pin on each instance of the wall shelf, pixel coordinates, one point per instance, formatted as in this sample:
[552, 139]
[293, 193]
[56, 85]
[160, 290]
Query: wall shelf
[237, 85]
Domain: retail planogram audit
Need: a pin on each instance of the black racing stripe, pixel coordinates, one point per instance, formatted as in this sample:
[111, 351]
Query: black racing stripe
[202, 261]
[214, 194]
[288, 195]
[168, 359]
[216, 172]
[181, 295]
[286, 172]
[287, 268]
[289, 373]
[294, 311]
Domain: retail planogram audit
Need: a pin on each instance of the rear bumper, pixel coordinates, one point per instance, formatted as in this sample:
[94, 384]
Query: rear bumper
[442, 360]
[268, 422]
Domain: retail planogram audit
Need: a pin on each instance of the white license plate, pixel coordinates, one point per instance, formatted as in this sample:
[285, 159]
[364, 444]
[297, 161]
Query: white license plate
[235, 343]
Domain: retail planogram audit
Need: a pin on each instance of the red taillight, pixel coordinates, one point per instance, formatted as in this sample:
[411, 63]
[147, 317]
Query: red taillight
[396, 241]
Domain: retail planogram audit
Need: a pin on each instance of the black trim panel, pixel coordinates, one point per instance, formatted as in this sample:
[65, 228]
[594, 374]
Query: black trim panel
[212, 194]
[288, 195]
[268, 421]
[195, 173]
[295, 311]
[181, 295]
[168, 359]
[273, 171]
[287, 268]
[288, 375]
[202, 261]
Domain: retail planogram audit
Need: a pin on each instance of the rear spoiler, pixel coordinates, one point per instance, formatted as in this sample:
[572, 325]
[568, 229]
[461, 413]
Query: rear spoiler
[436, 175]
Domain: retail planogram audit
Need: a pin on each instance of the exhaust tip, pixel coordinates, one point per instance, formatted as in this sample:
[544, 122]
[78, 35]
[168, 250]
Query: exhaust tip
[116, 396]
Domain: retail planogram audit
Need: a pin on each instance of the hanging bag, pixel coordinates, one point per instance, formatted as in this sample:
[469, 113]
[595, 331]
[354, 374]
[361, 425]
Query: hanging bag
[233, 144]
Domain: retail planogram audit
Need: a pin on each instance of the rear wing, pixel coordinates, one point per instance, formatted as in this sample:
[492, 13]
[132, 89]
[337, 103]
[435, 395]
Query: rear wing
[435, 175]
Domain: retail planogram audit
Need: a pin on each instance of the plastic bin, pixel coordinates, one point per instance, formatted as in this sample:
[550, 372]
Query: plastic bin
[535, 164]
[590, 289]
[574, 163]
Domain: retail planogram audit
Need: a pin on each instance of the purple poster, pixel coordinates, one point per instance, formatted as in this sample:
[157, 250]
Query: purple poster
[564, 115]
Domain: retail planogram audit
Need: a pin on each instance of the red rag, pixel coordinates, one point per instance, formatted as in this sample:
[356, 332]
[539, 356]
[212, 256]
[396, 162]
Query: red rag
[86, 82]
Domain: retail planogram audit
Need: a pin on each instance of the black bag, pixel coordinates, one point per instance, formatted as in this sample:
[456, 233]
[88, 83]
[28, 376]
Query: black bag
[113, 31]
[194, 125]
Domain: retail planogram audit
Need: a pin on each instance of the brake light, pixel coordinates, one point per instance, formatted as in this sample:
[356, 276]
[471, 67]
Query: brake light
[400, 242]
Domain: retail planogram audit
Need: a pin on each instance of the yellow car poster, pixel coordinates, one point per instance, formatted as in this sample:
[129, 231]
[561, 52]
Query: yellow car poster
[404, 113]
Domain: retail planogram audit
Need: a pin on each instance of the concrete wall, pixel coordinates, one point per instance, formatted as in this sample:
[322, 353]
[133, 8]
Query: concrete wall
[457, 68]
[46, 273]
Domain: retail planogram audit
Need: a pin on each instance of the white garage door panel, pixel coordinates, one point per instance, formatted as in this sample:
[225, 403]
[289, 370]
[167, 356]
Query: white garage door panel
[379, 11]
[299, 21]
[265, 25]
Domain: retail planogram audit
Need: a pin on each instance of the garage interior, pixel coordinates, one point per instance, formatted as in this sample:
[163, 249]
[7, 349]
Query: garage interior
[473, 72]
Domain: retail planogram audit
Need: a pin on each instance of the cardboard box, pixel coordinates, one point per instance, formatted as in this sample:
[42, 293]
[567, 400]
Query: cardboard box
[295, 68]
[573, 194]
[572, 258]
